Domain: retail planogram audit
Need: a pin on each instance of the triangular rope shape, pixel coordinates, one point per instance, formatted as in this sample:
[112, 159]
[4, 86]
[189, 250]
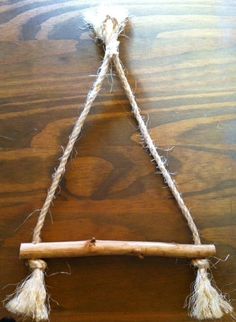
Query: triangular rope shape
[30, 298]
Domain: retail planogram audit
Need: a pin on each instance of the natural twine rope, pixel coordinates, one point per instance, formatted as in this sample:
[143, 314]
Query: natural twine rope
[154, 152]
[72, 139]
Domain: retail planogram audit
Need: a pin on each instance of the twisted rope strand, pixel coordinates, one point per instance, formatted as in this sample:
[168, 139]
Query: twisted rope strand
[72, 139]
[151, 147]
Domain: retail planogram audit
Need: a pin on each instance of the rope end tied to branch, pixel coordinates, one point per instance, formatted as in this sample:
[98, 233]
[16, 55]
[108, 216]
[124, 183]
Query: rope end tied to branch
[30, 297]
[206, 301]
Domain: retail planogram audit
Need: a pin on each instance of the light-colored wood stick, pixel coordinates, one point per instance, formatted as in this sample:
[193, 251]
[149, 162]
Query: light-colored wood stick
[95, 247]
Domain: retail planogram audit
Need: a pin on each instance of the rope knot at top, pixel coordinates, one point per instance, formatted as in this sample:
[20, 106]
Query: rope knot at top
[37, 263]
[107, 22]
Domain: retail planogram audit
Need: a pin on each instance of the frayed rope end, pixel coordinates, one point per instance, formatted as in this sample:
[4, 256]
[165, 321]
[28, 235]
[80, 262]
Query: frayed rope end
[30, 298]
[206, 302]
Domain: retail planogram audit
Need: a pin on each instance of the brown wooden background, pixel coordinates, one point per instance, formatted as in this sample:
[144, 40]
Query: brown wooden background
[180, 58]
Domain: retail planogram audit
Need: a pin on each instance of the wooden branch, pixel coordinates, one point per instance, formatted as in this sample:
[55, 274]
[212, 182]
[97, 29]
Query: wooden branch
[95, 247]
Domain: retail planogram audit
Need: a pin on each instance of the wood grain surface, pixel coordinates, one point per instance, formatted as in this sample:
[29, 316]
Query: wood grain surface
[180, 59]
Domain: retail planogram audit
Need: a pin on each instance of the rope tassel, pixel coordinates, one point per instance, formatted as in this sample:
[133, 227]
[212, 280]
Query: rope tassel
[30, 298]
[206, 302]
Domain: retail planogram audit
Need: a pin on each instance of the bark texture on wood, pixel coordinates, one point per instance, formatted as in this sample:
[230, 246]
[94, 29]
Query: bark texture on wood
[112, 247]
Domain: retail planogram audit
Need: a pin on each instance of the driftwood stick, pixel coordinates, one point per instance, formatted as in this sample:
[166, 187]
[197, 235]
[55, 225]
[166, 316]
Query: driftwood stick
[95, 247]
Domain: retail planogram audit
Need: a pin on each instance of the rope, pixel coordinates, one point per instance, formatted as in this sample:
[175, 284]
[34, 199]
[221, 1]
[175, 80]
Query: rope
[72, 139]
[151, 147]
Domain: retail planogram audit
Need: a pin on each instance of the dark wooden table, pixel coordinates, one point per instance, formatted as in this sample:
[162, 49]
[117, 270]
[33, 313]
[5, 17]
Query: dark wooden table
[180, 59]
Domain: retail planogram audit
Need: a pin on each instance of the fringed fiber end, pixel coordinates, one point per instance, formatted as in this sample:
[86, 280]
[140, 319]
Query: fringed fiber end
[30, 298]
[206, 302]
[107, 21]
